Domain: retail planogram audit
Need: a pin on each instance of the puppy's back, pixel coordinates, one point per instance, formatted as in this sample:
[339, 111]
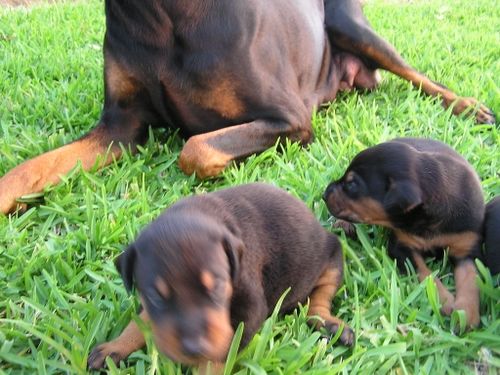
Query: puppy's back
[285, 243]
[431, 146]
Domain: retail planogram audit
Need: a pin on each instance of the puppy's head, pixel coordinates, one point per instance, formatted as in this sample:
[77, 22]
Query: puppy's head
[183, 267]
[379, 185]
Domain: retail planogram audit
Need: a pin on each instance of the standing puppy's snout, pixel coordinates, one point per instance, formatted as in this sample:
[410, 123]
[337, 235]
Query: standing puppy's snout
[329, 190]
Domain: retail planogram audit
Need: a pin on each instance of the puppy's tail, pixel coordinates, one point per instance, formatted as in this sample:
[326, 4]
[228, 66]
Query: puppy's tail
[491, 234]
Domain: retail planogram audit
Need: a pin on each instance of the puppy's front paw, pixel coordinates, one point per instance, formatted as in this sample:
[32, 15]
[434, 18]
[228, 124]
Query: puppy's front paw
[347, 336]
[97, 356]
[471, 312]
[348, 228]
[447, 308]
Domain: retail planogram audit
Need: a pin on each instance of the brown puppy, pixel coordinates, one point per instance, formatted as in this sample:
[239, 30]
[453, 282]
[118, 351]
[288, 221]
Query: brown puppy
[430, 197]
[233, 76]
[212, 261]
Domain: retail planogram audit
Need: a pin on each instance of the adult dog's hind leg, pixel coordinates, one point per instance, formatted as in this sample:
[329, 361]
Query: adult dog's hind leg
[349, 30]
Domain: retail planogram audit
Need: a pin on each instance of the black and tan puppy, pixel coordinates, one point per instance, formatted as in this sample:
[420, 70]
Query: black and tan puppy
[232, 76]
[492, 235]
[430, 197]
[212, 261]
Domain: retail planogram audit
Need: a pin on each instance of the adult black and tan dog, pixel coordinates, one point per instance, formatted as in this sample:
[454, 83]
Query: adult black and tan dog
[212, 261]
[233, 76]
[431, 198]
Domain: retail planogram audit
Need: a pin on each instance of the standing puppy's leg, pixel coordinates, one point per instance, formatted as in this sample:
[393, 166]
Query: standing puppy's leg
[446, 298]
[467, 292]
[348, 29]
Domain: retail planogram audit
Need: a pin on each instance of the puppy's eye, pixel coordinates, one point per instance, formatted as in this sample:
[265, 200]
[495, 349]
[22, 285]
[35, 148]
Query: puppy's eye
[155, 298]
[350, 187]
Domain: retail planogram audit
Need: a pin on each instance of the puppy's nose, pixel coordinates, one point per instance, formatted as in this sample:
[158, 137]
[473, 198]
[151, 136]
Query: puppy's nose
[191, 346]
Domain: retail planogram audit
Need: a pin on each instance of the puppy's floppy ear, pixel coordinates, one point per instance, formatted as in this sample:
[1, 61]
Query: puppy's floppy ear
[233, 246]
[402, 197]
[125, 266]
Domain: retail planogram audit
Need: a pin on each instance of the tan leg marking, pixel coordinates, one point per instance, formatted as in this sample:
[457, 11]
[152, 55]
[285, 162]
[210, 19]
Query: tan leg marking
[467, 292]
[395, 64]
[208, 154]
[446, 298]
[34, 175]
[321, 304]
[130, 340]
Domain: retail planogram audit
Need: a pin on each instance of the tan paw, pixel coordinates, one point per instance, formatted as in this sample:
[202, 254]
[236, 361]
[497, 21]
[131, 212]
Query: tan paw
[200, 158]
[471, 106]
[471, 312]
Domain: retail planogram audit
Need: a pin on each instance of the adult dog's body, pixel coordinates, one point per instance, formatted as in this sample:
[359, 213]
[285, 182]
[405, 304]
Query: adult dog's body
[234, 76]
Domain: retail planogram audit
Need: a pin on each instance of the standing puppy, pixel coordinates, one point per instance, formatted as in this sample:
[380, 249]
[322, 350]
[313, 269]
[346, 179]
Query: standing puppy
[430, 197]
[212, 261]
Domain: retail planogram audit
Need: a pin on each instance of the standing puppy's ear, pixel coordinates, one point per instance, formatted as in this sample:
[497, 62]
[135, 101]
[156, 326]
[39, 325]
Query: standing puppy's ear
[233, 246]
[402, 197]
[125, 266]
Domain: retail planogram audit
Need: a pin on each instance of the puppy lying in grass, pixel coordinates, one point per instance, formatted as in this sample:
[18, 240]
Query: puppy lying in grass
[212, 261]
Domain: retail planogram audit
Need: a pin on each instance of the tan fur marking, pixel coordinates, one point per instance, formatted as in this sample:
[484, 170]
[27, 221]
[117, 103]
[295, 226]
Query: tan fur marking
[221, 98]
[467, 292]
[322, 294]
[168, 343]
[217, 338]
[364, 210]
[162, 287]
[207, 279]
[120, 84]
[35, 174]
[460, 244]
[445, 296]
[321, 303]
[199, 157]
[219, 333]
[130, 340]
[369, 211]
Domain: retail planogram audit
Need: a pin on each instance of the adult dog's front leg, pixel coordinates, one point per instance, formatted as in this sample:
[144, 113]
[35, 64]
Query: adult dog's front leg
[208, 154]
[100, 146]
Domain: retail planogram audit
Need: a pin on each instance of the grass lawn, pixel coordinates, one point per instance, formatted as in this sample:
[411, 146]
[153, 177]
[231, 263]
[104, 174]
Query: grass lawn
[59, 291]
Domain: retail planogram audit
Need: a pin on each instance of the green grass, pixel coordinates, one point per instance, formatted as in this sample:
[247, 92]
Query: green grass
[59, 291]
